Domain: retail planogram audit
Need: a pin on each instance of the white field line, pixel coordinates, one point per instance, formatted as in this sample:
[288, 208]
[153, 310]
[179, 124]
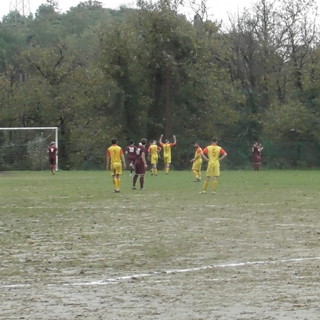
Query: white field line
[214, 266]
[296, 225]
[167, 272]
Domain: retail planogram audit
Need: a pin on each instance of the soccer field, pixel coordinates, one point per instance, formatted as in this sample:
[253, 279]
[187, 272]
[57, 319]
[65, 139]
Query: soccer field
[73, 249]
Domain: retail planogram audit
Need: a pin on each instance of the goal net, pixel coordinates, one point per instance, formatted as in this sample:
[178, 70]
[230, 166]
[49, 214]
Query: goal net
[25, 148]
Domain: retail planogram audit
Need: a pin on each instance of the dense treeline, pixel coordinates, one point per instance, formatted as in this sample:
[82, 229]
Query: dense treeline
[98, 73]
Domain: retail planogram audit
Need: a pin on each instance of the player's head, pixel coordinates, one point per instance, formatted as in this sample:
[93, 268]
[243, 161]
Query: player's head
[113, 141]
[52, 143]
[131, 142]
[196, 144]
[214, 140]
[154, 141]
[143, 141]
[166, 141]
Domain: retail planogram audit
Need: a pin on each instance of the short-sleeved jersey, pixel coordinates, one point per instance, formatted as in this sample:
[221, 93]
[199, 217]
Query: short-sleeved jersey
[114, 152]
[140, 168]
[167, 148]
[256, 154]
[213, 151]
[131, 151]
[140, 150]
[197, 164]
[52, 151]
[153, 149]
[197, 154]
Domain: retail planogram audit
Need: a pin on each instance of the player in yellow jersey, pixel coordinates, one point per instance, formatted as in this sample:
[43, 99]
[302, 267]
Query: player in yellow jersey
[214, 155]
[115, 163]
[166, 146]
[197, 163]
[153, 151]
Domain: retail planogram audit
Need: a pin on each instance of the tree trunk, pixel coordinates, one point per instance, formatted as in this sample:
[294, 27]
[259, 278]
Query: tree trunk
[168, 111]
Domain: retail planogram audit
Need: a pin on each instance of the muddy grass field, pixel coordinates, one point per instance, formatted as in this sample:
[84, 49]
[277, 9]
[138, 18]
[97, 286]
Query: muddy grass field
[72, 249]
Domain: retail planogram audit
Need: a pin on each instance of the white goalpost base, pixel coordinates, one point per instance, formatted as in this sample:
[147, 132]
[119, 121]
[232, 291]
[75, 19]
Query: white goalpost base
[25, 148]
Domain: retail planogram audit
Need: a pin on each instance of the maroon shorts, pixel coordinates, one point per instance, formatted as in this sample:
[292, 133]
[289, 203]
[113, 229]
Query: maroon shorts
[140, 168]
[52, 160]
[131, 159]
[256, 159]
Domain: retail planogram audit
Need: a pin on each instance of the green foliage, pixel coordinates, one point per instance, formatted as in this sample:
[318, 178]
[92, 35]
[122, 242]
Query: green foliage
[287, 122]
[131, 73]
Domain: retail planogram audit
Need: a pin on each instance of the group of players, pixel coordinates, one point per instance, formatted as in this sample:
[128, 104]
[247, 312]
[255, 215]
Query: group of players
[137, 159]
[138, 155]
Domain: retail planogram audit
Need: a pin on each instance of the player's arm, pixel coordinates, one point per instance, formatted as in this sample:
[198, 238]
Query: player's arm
[123, 161]
[196, 157]
[160, 139]
[203, 154]
[108, 162]
[174, 139]
[143, 157]
[204, 157]
[224, 154]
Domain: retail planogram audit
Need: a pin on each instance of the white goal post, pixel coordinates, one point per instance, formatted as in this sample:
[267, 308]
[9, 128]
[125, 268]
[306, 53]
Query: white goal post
[7, 141]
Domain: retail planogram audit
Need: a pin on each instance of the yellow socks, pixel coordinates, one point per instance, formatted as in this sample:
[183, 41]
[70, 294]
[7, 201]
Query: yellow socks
[214, 185]
[116, 183]
[195, 173]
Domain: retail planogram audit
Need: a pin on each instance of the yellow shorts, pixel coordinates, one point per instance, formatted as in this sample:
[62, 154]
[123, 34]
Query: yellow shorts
[116, 168]
[213, 170]
[167, 159]
[197, 165]
[154, 159]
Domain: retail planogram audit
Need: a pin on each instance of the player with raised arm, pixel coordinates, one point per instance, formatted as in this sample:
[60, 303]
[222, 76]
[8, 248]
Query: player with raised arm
[130, 151]
[52, 152]
[153, 151]
[256, 151]
[115, 163]
[166, 146]
[140, 164]
[215, 155]
[197, 163]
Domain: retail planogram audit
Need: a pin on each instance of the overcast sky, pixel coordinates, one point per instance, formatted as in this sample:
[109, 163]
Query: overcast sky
[218, 9]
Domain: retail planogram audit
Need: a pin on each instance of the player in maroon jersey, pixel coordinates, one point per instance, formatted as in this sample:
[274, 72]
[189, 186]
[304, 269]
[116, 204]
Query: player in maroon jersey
[52, 152]
[256, 150]
[140, 164]
[130, 151]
